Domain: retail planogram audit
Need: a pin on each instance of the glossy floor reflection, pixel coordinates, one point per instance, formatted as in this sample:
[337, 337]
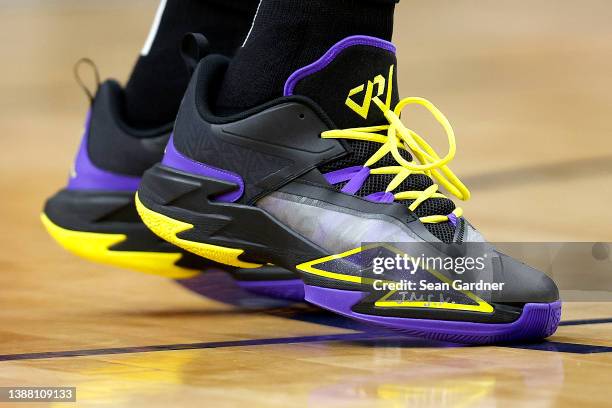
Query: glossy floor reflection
[310, 357]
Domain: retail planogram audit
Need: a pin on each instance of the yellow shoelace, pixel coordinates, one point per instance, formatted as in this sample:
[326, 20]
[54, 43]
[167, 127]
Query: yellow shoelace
[398, 137]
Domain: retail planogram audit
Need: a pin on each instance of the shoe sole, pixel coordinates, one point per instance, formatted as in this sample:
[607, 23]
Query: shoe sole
[537, 321]
[169, 228]
[89, 242]
[96, 247]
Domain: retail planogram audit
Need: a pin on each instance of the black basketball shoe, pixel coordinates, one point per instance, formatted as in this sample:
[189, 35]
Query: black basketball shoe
[328, 181]
[95, 216]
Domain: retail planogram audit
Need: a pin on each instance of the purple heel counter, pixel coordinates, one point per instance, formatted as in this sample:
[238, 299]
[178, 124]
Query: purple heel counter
[86, 176]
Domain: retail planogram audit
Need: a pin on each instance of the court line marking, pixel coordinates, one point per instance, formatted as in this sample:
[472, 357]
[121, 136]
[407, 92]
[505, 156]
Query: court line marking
[380, 335]
[586, 321]
[206, 345]
[561, 347]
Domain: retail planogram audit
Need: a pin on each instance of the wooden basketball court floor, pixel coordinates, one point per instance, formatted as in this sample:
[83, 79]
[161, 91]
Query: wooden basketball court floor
[526, 85]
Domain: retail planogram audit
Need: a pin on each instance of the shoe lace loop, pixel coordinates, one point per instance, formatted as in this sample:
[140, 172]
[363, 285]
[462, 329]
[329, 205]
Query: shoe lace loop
[396, 136]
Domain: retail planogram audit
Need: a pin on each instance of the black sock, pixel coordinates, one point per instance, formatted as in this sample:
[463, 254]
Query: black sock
[289, 34]
[159, 79]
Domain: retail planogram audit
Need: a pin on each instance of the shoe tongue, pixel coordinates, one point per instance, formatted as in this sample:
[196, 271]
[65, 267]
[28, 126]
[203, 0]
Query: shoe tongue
[343, 82]
[345, 79]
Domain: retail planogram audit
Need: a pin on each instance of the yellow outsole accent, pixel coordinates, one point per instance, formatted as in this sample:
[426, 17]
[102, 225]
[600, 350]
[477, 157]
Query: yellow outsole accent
[95, 246]
[168, 229]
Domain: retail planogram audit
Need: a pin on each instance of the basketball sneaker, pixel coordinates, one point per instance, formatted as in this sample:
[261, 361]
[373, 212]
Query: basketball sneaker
[95, 216]
[328, 180]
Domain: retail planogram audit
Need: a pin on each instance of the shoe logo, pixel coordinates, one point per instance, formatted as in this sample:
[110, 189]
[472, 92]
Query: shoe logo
[380, 83]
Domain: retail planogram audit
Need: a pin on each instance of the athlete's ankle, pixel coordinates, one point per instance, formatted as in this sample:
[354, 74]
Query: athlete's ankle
[289, 34]
[159, 78]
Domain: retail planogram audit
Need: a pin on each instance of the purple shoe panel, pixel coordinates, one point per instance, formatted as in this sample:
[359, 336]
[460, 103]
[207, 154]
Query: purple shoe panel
[86, 176]
[176, 160]
[330, 55]
[538, 320]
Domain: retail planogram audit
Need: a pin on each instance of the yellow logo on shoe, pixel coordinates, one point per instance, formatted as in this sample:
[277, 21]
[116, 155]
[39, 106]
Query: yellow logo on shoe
[333, 267]
[381, 84]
